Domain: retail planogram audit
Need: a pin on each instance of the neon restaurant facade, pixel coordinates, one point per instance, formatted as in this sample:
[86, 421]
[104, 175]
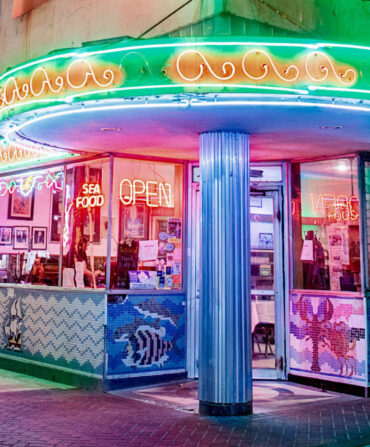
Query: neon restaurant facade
[187, 207]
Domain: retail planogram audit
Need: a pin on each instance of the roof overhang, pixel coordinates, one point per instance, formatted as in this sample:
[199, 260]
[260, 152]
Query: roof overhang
[155, 97]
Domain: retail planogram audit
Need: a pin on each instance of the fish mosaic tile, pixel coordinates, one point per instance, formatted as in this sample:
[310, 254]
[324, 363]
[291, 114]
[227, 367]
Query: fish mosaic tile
[327, 337]
[146, 335]
[64, 329]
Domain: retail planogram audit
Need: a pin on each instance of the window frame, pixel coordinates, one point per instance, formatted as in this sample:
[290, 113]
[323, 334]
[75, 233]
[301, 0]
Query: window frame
[170, 161]
[109, 197]
[358, 163]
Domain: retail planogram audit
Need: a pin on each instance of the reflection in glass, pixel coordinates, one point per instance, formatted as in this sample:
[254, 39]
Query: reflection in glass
[326, 236]
[147, 238]
[30, 231]
[262, 281]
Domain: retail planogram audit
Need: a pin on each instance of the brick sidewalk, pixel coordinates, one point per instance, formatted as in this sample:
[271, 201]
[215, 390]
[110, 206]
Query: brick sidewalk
[56, 417]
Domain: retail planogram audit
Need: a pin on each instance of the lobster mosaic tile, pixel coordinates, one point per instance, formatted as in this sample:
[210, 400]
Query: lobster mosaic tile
[367, 197]
[65, 329]
[146, 334]
[327, 337]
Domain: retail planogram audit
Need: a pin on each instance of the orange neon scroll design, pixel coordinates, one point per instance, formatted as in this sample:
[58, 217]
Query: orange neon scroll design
[12, 153]
[256, 66]
[80, 74]
[154, 194]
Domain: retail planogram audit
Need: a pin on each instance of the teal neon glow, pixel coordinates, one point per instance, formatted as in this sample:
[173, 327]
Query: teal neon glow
[19, 155]
[148, 69]
[70, 98]
[185, 104]
[337, 89]
[36, 62]
[215, 86]
[144, 46]
[22, 164]
[75, 53]
[36, 101]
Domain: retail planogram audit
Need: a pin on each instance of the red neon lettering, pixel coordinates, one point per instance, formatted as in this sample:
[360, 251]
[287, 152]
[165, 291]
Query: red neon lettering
[154, 194]
[151, 192]
[139, 189]
[125, 199]
[91, 196]
[336, 208]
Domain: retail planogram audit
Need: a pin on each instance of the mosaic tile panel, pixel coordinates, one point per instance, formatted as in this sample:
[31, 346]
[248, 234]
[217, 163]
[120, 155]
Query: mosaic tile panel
[368, 338]
[146, 334]
[62, 328]
[327, 337]
[367, 250]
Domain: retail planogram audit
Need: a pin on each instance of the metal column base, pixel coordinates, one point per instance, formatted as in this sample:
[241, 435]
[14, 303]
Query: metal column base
[212, 409]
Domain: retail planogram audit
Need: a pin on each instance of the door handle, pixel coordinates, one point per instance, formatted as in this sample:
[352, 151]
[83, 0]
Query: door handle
[279, 363]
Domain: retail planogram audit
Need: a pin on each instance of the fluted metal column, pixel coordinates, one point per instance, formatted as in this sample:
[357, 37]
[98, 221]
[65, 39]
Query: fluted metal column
[225, 363]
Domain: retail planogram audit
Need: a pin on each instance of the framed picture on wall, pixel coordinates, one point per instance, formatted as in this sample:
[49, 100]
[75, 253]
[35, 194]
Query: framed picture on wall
[21, 238]
[39, 238]
[6, 235]
[21, 206]
[266, 241]
[134, 222]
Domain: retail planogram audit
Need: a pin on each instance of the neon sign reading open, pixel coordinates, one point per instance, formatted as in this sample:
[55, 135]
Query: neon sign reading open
[154, 194]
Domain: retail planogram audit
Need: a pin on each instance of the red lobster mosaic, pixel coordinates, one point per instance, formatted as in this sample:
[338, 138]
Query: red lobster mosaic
[336, 336]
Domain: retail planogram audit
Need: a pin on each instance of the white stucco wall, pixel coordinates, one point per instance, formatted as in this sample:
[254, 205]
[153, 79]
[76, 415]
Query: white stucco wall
[60, 24]
[67, 23]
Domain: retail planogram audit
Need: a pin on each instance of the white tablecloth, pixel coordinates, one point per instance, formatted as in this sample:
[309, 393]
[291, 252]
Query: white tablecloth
[262, 312]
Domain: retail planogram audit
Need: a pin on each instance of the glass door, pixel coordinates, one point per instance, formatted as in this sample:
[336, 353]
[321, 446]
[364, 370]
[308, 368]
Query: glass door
[267, 314]
[193, 286]
[266, 284]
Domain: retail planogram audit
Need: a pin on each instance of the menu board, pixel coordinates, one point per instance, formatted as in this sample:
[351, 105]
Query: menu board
[127, 260]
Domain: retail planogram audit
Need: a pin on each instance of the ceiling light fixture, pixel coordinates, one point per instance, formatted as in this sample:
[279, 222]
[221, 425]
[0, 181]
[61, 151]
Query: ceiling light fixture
[110, 129]
[331, 127]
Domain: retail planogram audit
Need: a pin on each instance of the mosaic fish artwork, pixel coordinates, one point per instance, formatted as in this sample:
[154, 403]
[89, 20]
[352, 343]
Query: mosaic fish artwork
[124, 333]
[12, 327]
[146, 334]
[146, 347]
[151, 308]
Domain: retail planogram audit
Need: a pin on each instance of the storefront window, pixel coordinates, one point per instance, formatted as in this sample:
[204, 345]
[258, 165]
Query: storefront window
[325, 214]
[147, 225]
[85, 224]
[30, 231]
[367, 206]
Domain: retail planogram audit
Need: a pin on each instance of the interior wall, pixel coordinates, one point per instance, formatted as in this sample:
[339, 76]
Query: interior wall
[41, 218]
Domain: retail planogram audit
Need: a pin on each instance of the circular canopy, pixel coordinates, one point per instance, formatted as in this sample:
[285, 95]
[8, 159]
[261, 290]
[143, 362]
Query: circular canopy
[296, 99]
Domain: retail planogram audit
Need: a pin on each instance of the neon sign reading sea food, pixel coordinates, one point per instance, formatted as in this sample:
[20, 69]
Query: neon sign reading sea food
[154, 194]
[90, 197]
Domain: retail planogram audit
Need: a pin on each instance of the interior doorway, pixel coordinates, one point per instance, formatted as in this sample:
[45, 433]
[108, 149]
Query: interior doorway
[267, 303]
[267, 281]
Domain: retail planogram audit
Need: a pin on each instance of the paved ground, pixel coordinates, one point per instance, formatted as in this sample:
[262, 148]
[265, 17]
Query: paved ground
[36, 413]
